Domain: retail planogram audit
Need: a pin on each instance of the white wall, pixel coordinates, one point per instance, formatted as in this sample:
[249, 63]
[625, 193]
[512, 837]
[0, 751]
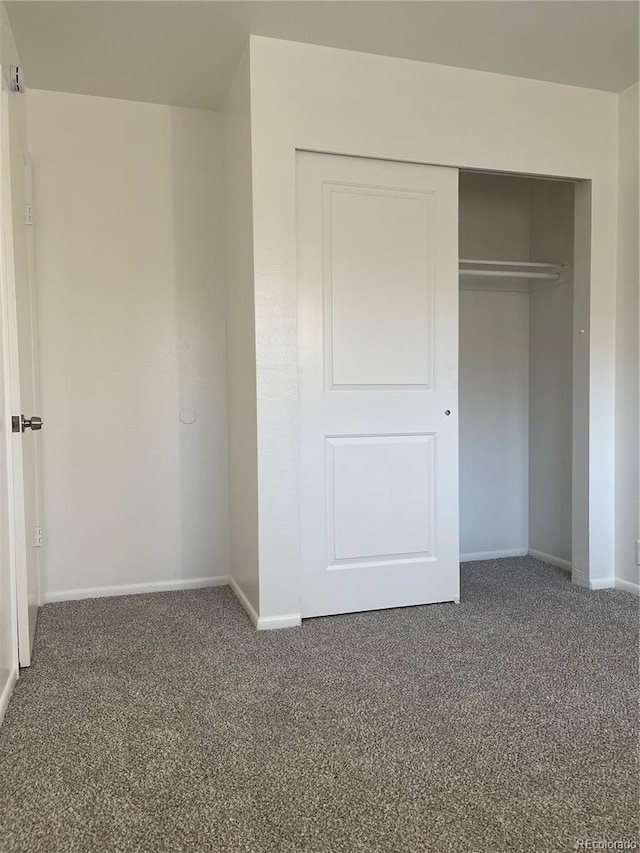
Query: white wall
[129, 242]
[551, 376]
[494, 410]
[550, 427]
[494, 373]
[305, 96]
[241, 352]
[627, 402]
[495, 217]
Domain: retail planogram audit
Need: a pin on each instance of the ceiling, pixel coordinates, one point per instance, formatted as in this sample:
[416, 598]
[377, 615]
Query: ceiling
[184, 53]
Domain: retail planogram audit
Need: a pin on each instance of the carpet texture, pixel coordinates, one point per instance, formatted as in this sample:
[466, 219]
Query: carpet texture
[164, 723]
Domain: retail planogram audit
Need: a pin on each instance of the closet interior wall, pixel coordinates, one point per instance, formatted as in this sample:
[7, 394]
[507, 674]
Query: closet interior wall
[516, 355]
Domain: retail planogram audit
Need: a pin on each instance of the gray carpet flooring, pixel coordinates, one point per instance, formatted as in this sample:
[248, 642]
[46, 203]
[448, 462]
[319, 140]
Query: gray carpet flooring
[164, 724]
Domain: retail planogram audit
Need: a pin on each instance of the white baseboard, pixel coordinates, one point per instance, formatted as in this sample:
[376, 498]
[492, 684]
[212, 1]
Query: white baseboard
[7, 690]
[578, 578]
[265, 623]
[287, 620]
[493, 555]
[628, 586]
[134, 589]
[602, 583]
[549, 558]
[244, 601]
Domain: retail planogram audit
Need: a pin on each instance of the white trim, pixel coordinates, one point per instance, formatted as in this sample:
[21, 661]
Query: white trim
[628, 586]
[134, 588]
[287, 620]
[6, 391]
[265, 623]
[578, 578]
[493, 555]
[602, 583]
[11, 398]
[549, 558]
[244, 601]
[7, 690]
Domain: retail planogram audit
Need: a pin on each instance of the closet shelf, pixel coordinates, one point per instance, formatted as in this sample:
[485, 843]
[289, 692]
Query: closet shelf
[511, 275]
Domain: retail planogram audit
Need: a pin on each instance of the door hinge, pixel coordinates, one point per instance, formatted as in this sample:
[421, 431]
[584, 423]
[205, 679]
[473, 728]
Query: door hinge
[15, 423]
[16, 78]
[38, 536]
[27, 216]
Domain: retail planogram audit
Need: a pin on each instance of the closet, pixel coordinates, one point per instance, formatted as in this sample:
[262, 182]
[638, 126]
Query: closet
[516, 354]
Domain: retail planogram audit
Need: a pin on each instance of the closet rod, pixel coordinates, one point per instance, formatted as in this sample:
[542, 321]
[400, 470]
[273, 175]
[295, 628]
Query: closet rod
[512, 274]
[508, 264]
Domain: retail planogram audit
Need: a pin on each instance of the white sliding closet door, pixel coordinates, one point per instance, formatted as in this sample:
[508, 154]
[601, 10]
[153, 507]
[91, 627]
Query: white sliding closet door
[378, 356]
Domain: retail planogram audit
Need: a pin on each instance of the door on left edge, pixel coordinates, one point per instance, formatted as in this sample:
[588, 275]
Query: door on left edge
[25, 397]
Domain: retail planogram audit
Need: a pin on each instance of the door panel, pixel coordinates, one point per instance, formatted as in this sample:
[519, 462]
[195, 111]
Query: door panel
[374, 240]
[380, 490]
[378, 361]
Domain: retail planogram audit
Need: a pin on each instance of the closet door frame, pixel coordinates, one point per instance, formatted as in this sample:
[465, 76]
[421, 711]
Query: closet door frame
[581, 521]
[277, 392]
[581, 448]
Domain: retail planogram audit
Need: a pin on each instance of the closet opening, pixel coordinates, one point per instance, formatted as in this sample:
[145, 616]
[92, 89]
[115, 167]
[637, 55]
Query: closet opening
[516, 381]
